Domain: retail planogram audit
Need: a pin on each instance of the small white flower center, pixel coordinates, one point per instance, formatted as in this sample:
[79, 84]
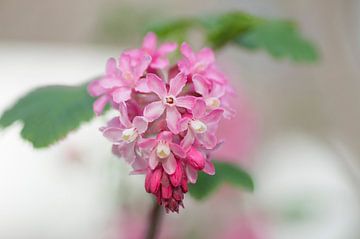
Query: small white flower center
[163, 150]
[129, 135]
[198, 126]
[212, 102]
[169, 100]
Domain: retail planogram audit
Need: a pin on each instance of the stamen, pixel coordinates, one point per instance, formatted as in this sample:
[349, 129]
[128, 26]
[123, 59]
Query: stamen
[198, 126]
[129, 135]
[212, 102]
[163, 150]
[169, 100]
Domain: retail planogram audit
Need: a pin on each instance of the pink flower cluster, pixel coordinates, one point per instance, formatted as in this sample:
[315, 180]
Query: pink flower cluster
[168, 115]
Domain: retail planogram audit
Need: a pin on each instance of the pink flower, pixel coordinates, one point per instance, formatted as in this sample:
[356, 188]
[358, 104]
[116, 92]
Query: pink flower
[163, 151]
[214, 95]
[131, 72]
[117, 84]
[159, 56]
[169, 100]
[125, 134]
[99, 87]
[201, 126]
[202, 63]
[197, 160]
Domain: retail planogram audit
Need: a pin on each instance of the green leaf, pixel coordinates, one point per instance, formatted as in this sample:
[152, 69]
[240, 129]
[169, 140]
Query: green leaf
[49, 113]
[225, 173]
[175, 30]
[223, 29]
[281, 39]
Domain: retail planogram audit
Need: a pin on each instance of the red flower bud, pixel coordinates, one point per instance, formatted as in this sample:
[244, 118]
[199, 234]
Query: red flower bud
[196, 159]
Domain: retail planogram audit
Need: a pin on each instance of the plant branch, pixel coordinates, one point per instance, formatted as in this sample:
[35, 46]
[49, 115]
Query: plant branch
[154, 221]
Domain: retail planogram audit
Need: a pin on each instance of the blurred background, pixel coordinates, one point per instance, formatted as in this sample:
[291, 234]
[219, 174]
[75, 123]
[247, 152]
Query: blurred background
[297, 127]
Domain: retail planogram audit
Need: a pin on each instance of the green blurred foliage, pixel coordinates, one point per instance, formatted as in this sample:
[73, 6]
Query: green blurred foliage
[280, 38]
[225, 173]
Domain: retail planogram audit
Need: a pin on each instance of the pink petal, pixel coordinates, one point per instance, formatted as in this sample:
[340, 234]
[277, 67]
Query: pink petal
[206, 55]
[177, 84]
[125, 151]
[144, 63]
[200, 85]
[177, 150]
[159, 63]
[139, 166]
[183, 123]
[140, 124]
[165, 136]
[170, 164]
[149, 43]
[153, 160]
[209, 168]
[147, 144]
[111, 68]
[217, 90]
[156, 85]
[188, 140]
[208, 140]
[142, 86]
[95, 89]
[167, 48]
[154, 110]
[110, 82]
[99, 104]
[115, 123]
[191, 174]
[125, 63]
[186, 101]
[172, 118]
[113, 134]
[124, 116]
[121, 94]
[186, 50]
[198, 109]
[213, 117]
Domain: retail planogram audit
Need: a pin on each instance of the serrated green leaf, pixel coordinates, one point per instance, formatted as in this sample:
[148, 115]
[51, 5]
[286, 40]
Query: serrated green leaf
[49, 113]
[225, 173]
[281, 39]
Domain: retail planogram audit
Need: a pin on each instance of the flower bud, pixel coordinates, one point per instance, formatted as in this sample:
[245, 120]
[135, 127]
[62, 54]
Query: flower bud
[175, 178]
[178, 194]
[155, 180]
[196, 159]
[184, 185]
[166, 191]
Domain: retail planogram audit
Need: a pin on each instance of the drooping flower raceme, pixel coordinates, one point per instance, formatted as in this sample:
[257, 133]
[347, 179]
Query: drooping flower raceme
[167, 115]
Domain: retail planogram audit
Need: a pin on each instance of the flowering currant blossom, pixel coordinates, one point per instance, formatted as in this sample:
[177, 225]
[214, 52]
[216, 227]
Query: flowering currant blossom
[169, 100]
[167, 115]
[158, 56]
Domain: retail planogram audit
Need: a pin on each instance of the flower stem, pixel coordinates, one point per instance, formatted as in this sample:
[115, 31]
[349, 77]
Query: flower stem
[154, 221]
